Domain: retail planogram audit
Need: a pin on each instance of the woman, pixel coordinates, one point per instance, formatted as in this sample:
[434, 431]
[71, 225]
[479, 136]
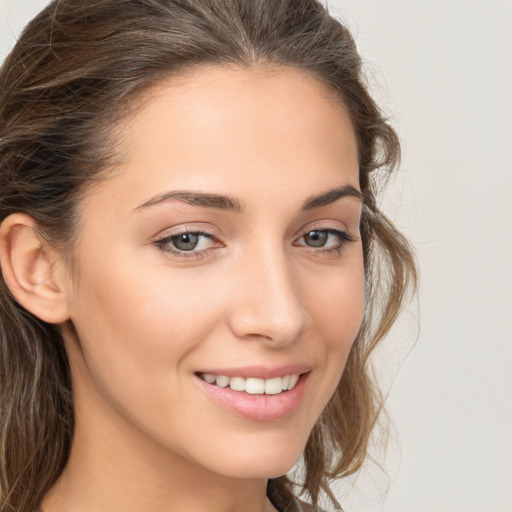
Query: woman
[191, 254]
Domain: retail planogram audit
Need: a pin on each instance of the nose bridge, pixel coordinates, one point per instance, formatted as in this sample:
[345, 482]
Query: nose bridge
[270, 304]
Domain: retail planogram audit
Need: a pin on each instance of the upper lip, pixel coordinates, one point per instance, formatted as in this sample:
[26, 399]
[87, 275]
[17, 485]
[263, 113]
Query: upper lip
[260, 372]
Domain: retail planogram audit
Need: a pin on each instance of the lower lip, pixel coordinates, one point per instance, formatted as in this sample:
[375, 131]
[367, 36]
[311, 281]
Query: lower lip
[257, 407]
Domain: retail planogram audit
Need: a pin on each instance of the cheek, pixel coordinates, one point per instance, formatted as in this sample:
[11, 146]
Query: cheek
[142, 306]
[338, 308]
[134, 327]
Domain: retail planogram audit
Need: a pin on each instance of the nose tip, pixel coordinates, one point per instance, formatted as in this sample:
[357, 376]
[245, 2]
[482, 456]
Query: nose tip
[269, 306]
[277, 327]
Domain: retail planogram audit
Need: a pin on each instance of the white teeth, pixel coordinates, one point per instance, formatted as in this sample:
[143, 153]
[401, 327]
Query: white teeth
[237, 383]
[274, 386]
[210, 378]
[222, 381]
[253, 385]
[293, 381]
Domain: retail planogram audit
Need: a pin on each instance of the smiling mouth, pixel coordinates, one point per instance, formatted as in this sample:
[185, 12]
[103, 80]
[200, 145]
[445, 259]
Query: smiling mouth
[253, 385]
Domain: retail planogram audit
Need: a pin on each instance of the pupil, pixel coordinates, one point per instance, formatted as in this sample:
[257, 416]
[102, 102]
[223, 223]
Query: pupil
[186, 241]
[316, 238]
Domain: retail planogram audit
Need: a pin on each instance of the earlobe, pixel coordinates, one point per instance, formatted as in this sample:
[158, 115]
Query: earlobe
[32, 269]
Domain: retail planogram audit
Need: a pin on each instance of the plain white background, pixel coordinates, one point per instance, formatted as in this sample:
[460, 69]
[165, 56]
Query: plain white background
[443, 70]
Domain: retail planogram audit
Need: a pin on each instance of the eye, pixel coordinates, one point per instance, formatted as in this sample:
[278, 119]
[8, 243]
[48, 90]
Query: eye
[316, 238]
[188, 243]
[326, 240]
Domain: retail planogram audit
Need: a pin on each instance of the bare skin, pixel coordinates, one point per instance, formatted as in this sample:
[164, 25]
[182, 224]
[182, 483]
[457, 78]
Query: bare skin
[275, 281]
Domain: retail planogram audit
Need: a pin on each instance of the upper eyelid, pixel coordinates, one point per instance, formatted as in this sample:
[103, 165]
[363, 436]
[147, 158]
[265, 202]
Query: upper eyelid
[170, 232]
[329, 230]
[343, 234]
[215, 233]
[321, 226]
[163, 239]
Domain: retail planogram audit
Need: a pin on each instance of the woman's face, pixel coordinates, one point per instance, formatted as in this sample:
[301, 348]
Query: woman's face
[225, 251]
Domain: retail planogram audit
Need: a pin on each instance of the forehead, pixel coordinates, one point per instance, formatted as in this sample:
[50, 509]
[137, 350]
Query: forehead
[238, 128]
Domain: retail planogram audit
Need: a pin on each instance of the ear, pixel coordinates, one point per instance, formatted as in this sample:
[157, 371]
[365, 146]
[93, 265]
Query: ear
[32, 269]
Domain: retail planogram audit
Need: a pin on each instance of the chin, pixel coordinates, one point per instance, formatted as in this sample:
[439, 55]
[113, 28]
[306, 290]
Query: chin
[260, 469]
[261, 459]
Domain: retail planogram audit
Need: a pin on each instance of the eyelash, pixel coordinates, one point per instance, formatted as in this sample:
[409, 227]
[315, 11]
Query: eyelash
[163, 243]
[343, 237]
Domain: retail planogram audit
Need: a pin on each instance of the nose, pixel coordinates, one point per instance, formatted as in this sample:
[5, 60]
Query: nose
[268, 304]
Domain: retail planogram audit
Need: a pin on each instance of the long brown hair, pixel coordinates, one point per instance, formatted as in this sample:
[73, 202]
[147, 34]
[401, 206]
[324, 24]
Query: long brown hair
[75, 72]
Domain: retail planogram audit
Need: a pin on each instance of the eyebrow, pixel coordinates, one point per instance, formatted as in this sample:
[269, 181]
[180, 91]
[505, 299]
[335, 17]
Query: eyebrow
[222, 202]
[332, 196]
[216, 201]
